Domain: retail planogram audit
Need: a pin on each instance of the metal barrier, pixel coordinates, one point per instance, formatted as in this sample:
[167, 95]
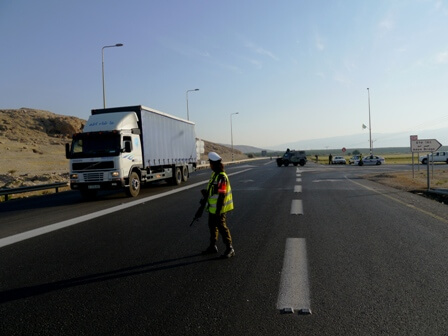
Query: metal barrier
[9, 191]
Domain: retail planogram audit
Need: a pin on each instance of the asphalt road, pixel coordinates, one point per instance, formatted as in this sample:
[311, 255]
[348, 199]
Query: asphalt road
[319, 251]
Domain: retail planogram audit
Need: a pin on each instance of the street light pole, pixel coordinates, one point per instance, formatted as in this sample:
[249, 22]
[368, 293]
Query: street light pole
[231, 131]
[188, 114]
[102, 62]
[370, 126]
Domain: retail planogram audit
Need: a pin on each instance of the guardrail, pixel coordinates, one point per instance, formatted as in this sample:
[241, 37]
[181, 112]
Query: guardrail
[10, 191]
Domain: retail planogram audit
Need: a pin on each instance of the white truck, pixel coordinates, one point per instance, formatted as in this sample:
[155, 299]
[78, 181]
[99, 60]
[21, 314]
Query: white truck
[434, 157]
[124, 147]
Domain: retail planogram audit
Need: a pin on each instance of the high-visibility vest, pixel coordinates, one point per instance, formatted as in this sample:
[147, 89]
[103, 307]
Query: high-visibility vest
[213, 194]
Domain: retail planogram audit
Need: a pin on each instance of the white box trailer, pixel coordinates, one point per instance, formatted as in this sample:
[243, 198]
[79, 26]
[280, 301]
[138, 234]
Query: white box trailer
[123, 147]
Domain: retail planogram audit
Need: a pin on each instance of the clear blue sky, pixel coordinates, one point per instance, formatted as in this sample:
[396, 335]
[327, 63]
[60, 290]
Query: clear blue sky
[294, 70]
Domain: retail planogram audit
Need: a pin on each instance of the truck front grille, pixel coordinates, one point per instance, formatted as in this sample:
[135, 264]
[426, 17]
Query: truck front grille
[93, 177]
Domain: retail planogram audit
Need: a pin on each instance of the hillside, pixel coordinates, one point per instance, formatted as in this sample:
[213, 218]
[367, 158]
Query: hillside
[32, 146]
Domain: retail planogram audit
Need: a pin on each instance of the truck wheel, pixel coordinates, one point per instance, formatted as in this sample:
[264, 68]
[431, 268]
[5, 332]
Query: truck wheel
[134, 185]
[185, 173]
[302, 162]
[286, 163]
[177, 177]
[360, 163]
[279, 163]
[425, 161]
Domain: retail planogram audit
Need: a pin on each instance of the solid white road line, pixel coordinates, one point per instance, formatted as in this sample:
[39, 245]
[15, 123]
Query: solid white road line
[53, 227]
[296, 207]
[294, 293]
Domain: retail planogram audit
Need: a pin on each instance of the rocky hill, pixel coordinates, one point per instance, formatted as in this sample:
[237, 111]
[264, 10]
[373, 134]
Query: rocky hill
[32, 146]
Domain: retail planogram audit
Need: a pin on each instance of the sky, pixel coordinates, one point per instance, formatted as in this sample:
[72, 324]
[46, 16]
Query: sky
[293, 70]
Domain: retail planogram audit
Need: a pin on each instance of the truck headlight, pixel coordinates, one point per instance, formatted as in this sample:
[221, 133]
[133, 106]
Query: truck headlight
[115, 174]
[73, 176]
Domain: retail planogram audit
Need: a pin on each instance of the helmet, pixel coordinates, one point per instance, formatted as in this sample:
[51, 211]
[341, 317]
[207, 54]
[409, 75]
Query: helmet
[212, 156]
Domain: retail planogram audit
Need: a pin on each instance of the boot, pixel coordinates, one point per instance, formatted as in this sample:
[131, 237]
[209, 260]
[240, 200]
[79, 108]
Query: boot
[229, 252]
[212, 249]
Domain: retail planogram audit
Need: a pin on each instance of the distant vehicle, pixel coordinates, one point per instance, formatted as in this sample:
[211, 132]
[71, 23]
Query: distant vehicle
[338, 160]
[354, 159]
[371, 160]
[437, 157]
[292, 156]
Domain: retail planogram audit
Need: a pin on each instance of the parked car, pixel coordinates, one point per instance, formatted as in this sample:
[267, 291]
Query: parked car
[338, 160]
[354, 159]
[371, 160]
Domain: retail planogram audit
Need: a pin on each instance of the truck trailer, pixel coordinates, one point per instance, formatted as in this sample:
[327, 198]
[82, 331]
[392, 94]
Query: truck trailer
[125, 147]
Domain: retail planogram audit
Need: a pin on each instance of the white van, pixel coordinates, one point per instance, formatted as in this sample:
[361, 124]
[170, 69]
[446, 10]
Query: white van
[437, 157]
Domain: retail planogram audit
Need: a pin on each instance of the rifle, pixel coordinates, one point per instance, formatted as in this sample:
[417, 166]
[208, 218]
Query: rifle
[200, 211]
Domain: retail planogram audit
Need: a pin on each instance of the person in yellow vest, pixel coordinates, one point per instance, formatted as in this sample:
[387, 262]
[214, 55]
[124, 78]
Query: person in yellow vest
[219, 201]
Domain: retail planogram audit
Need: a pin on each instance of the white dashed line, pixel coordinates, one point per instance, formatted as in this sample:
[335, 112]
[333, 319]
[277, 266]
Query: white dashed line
[298, 189]
[294, 292]
[296, 207]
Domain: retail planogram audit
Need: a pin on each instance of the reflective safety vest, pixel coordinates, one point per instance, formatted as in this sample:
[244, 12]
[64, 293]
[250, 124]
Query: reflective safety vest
[219, 184]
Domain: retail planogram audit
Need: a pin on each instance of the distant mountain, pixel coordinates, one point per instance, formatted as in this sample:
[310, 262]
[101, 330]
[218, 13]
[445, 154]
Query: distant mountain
[380, 140]
[249, 149]
[352, 142]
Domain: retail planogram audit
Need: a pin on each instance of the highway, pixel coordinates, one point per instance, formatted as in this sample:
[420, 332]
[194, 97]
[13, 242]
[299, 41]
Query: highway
[319, 251]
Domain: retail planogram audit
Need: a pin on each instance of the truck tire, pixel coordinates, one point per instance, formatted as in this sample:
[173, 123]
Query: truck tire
[286, 163]
[185, 173]
[134, 185]
[279, 163]
[177, 176]
[425, 161]
[360, 163]
[302, 162]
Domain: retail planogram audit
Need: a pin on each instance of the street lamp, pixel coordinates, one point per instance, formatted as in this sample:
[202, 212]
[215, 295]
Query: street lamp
[231, 131]
[102, 59]
[188, 115]
[370, 127]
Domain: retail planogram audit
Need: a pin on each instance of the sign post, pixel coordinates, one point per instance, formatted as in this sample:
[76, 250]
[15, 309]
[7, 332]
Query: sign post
[425, 145]
[413, 138]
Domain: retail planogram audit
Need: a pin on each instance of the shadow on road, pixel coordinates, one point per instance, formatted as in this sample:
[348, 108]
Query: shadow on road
[30, 291]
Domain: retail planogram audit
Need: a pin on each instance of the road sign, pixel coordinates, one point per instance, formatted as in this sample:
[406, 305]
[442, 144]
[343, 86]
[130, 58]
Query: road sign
[343, 149]
[425, 145]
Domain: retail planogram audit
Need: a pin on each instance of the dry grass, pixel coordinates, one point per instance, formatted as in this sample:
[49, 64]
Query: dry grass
[409, 182]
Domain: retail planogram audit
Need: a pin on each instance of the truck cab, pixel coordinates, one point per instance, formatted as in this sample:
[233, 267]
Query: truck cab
[105, 154]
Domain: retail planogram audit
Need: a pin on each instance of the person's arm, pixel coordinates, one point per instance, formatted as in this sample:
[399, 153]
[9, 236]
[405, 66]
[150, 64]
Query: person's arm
[222, 191]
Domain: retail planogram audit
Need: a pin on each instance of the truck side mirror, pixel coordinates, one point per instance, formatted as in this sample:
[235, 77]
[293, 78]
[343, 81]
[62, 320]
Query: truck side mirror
[67, 151]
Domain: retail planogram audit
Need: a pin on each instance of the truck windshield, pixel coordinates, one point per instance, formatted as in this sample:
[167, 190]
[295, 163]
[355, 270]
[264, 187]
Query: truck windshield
[96, 144]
